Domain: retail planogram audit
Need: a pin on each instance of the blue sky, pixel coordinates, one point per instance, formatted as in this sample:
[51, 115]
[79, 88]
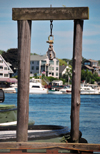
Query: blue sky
[62, 30]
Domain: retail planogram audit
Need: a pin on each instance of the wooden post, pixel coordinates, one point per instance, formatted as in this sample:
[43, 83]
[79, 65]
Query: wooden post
[24, 39]
[76, 78]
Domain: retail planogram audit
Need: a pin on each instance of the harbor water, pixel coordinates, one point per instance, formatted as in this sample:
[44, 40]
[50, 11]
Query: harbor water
[53, 109]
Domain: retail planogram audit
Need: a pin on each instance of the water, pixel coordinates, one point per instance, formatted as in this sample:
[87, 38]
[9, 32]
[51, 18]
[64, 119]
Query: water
[55, 109]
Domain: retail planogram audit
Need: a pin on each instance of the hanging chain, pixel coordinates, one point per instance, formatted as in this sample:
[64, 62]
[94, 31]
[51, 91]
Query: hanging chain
[51, 27]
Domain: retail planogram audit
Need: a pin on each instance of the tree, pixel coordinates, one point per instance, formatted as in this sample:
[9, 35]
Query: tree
[62, 62]
[89, 77]
[11, 56]
[1, 51]
[68, 74]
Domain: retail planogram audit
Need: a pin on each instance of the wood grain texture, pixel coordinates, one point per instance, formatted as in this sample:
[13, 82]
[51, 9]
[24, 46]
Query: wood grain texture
[76, 79]
[24, 40]
[61, 13]
[46, 145]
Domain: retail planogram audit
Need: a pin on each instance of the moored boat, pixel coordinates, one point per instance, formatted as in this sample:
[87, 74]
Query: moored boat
[55, 92]
[9, 90]
[66, 89]
[88, 90]
[37, 88]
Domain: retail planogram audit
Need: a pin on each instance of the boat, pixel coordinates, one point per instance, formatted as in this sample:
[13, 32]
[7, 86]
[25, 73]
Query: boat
[37, 88]
[35, 132]
[14, 85]
[66, 89]
[88, 90]
[9, 90]
[8, 127]
[55, 92]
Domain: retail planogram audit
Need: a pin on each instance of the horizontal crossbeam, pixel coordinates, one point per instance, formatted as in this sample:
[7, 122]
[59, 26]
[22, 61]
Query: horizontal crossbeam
[47, 145]
[61, 13]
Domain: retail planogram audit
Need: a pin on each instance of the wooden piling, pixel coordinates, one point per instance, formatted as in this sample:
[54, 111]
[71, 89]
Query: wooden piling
[76, 78]
[24, 39]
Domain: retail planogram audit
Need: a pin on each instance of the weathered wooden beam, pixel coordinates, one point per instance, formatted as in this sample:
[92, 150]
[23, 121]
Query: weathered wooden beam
[48, 145]
[61, 13]
[24, 39]
[76, 79]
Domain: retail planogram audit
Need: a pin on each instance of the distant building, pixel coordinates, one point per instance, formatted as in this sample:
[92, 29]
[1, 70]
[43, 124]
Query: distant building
[57, 82]
[5, 69]
[41, 64]
[62, 70]
[91, 65]
[45, 64]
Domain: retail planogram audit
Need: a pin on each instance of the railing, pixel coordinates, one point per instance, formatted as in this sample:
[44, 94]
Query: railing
[50, 148]
[46, 80]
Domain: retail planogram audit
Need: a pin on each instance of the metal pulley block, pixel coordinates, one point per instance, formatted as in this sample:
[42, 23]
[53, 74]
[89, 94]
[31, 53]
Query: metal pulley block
[50, 47]
[50, 41]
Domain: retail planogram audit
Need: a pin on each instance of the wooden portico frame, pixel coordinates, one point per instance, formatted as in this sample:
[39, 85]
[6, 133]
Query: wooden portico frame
[24, 16]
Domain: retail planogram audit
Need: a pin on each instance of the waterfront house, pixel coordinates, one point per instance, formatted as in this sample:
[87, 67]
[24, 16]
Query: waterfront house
[41, 64]
[63, 69]
[91, 65]
[5, 69]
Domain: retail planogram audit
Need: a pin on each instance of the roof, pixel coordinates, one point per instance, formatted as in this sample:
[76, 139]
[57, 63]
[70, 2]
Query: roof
[11, 80]
[7, 64]
[37, 57]
[90, 68]
[91, 60]
[61, 68]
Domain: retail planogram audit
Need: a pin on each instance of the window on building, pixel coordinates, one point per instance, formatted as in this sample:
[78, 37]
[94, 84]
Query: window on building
[87, 63]
[43, 62]
[52, 68]
[56, 74]
[51, 62]
[32, 62]
[49, 67]
[37, 62]
[52, 74]
[37, 67]
[5, 75]
[32, 67]
[5, 68]
[56, 68]
[1, 67]
[94, 63]
[57, 62]
[1, 74]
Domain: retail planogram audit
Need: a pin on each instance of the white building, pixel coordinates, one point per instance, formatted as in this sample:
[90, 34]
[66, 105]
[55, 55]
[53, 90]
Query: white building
[5, 70]
[41, 64]
[62, 70]
[45, 64]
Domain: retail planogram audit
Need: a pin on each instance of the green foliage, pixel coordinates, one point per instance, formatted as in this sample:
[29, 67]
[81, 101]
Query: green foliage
[50, 78]
[11, 56]
[62, 62]
[99, 62]
[1, 51]
[68, 75]
[89, 77]
[64, 80]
